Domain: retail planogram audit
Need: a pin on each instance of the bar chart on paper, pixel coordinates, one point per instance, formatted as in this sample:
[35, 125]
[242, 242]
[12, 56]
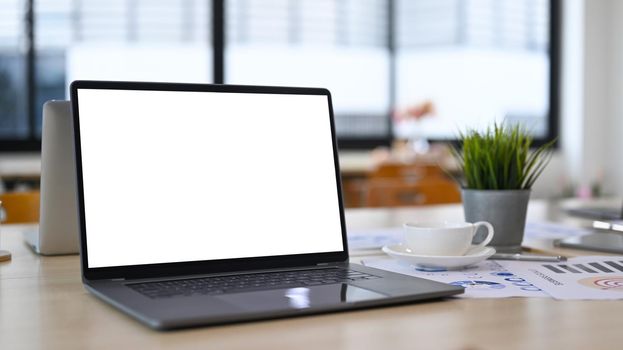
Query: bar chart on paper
[587, 277]
[591, 267]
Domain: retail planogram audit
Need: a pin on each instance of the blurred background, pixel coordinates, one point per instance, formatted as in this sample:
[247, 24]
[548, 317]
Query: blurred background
[405, 75]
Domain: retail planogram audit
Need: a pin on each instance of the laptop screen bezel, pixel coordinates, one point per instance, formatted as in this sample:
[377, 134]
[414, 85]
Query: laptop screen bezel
[205, 266]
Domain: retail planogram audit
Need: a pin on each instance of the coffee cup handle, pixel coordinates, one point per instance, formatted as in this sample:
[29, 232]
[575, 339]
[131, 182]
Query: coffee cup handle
[489, 232]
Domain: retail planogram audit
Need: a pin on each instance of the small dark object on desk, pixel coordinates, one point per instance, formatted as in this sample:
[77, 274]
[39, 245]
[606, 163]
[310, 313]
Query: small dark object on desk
[609, 242]
[597, 213]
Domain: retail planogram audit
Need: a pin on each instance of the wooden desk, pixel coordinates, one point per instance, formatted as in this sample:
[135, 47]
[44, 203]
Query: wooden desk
[43, 305]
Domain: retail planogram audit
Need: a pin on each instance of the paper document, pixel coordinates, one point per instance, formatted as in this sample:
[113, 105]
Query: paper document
[551, 230]
[586, 277]
[373, 239]
[488, 279]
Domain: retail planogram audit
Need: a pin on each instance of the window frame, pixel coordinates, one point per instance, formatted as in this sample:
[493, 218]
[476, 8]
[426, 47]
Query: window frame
[33, 142]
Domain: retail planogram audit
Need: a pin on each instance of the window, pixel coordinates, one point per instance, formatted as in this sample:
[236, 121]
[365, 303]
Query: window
[340, 45]
[14, 123]
[145, 40]
[475, 61]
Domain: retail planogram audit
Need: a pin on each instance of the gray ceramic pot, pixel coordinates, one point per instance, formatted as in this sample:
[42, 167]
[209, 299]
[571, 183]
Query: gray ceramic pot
[505, 210]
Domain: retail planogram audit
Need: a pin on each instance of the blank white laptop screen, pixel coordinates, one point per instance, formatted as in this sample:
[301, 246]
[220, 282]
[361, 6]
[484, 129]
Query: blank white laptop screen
[176, 176]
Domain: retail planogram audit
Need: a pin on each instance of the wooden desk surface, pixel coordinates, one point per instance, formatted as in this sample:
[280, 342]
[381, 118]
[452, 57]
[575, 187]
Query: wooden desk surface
[43, 305]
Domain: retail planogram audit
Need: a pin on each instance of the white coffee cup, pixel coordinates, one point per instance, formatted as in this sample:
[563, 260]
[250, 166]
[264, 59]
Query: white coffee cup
[443, 238]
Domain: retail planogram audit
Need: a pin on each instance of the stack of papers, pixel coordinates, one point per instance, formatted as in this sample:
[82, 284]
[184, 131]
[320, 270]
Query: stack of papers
[581, 278]
[587, 277]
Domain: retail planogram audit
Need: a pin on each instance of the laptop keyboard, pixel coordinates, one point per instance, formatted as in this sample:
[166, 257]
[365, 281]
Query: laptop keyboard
[247, 282]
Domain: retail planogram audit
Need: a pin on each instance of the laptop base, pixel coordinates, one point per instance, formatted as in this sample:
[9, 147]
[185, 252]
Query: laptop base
[202, 310]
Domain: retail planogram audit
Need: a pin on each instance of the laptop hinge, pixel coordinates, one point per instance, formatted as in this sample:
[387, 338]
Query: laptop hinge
[117, 279]
[322, 264]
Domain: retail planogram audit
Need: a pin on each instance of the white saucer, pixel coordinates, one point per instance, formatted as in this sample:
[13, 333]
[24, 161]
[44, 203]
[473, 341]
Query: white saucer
[473, 256]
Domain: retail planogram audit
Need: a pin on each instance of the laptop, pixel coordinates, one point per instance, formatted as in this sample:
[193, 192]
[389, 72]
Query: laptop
[211, 204]
[57, 232]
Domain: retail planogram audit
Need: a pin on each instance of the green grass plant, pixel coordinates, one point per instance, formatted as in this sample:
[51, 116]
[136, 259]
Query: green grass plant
[500, 158]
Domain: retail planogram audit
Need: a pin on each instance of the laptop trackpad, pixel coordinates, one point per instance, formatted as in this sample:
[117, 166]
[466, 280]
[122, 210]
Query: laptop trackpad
[300, 298]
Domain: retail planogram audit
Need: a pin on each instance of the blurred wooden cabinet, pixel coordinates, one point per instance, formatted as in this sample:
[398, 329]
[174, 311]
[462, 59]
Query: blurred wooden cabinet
[397, 192]
[396, 184]
[20, 207]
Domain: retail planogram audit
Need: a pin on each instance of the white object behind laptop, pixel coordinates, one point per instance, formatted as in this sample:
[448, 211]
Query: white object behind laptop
[58, 221]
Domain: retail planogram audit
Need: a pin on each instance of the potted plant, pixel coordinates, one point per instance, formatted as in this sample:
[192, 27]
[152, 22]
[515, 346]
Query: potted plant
[499, 170]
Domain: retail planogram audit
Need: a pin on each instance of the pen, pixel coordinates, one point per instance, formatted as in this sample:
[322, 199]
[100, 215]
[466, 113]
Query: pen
[539, 251]
[528, 257]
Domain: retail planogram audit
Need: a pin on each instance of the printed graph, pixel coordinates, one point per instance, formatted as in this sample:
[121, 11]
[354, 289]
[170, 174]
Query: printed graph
[589, 267]
[603, 283]
[597, 277]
